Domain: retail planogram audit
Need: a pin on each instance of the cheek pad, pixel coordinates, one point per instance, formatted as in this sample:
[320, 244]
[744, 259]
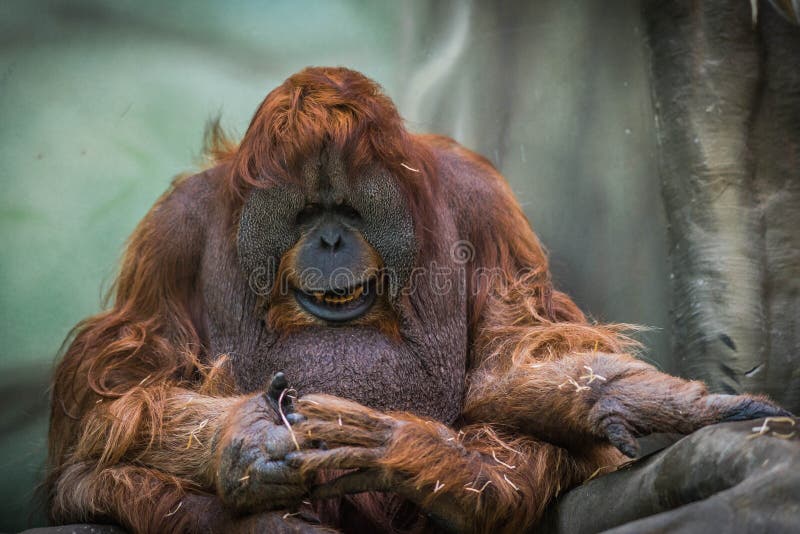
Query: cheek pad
[266, 232]
[387, 226]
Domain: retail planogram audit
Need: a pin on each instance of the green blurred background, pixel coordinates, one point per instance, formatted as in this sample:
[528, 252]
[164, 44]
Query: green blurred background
[102, 102]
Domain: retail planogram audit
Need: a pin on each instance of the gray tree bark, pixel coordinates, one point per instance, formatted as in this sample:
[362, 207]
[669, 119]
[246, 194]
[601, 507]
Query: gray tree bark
[724, 478]
[726, 92]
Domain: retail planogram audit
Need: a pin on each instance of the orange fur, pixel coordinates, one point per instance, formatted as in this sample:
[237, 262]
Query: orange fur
[137, 407]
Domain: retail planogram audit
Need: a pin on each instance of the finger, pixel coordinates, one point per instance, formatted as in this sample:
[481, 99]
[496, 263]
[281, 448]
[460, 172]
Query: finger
[358, 482]
[622, 438]
[264, 471]
[341, 458]
[278, 442]
[343, 412]
[445, 510]
[744, 407]
[278, 495]
[264, 484]
[277, 396]
[277, 385]
[342, 432]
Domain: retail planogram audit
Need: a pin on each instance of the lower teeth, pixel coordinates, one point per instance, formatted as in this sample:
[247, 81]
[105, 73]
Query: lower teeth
[338, 301]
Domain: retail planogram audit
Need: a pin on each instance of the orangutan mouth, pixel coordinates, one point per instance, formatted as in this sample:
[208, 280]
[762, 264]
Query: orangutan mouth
[340, 304]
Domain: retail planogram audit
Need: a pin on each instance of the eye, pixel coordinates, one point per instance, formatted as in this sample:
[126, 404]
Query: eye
[308, 213]
[348, 212]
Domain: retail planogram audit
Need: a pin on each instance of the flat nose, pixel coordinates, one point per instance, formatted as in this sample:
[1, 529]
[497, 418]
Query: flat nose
[330, 237]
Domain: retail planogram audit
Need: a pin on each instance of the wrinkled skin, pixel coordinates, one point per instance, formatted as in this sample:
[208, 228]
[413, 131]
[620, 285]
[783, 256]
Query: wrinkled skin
[251, 473]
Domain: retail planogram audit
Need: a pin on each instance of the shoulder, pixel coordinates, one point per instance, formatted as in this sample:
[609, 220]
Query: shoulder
[470, 180]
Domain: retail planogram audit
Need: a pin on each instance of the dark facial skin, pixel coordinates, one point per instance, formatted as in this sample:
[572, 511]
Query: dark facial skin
[354, 226]
[337, 278]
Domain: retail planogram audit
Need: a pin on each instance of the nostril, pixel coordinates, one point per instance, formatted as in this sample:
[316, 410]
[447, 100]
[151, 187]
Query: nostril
[331, 238]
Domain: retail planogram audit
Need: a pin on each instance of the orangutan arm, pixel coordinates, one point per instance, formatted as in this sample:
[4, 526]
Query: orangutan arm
[583, 398]
[474, 479]
[537, 364]
[142, 431]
